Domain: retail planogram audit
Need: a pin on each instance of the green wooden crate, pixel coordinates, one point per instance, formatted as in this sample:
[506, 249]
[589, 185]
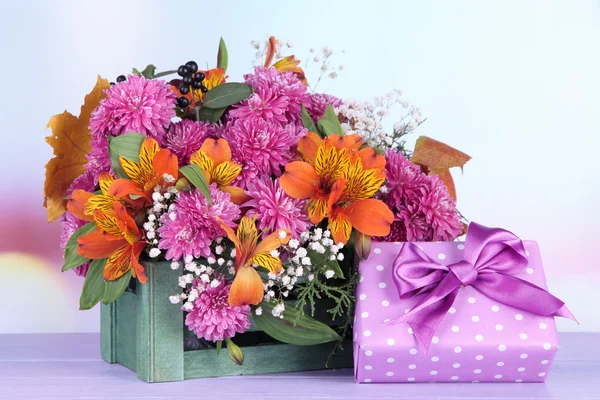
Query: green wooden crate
[144, 332]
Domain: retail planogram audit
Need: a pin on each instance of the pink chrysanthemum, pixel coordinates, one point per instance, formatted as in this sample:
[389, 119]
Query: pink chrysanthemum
[276, 94]
[212, 318]
[191, 228]
[135, 105]
[318, 102]
[185, 137]
[262, 147]
[423, 209]
[69, 223]
[275, 209]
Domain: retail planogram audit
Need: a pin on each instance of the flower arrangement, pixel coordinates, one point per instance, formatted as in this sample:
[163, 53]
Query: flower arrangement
[260, 192]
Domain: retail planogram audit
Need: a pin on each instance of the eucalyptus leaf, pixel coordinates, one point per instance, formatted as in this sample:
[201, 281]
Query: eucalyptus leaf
[226, 95]
[72, 258]
[126, 146]
[114, 289]
[222, 57]
[308, 122]
[210, 114]
[93, 286]
[306, 331]
[194, 174]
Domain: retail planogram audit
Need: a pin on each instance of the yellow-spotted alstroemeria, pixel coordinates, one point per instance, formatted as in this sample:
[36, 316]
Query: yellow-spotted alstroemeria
[339, 179]
[214, 159]
[286, 64]
[247, 287]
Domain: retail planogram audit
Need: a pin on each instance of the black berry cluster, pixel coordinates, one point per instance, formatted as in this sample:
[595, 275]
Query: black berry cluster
[120, 78]
[191, 79]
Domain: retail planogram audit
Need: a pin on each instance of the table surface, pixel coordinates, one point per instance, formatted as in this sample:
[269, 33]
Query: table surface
[68, 366]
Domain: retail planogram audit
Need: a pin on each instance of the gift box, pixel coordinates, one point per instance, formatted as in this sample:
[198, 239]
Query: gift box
[478, 339]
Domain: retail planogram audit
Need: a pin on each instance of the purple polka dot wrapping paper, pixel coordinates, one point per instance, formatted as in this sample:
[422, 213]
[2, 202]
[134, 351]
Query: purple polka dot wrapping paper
[479, 339]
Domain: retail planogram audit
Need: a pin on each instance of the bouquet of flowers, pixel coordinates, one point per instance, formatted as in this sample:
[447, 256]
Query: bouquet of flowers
[262, 193]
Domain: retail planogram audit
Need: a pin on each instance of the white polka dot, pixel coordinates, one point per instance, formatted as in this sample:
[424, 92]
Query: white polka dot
[479, 357]
[368, 367]
[500, 364]
[411, 379]
[498, 376]
[367, 380]
[521, 369]
[454, 378]
[542, 374]
[389, 373]
[385, 303]
[518, 317]
[547, 346]
[471, 300]
[461, 246]
[442, 256]
[379, 268]
[410, 331]
[479, 338]
[544, 362]
[412, 366]
[527, 253]
[529, 271]
[457, 349]
[367, 333]
[362, 296]
[523, 336]
[386, 320]
[435, 359]
[495, 308]
[377, 250]
[435, 340]
[499, 327]
[362, 278]
[433, 372]
[413, 351]
[368, 353]
[391, 360]
[456, 365]
[390, 342]
[477, 371]
[382, 285]
[475, 318]
[502, 347]
[519, 380]
[523, 356]
[452, 310]
[543, 326]
[455, 328]
[364, 314]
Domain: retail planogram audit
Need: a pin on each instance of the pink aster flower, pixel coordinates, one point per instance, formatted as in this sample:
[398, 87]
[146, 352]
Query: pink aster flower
[274, 208]
[265, 104]
[317, 102]
[135, 105]
[191, 228]
[404, 179]
[185, 137]
[262, 147]
[212, 318]
[440, 210]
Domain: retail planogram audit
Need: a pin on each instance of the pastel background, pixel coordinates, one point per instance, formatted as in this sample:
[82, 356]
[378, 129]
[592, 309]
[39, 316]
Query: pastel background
[514, 84]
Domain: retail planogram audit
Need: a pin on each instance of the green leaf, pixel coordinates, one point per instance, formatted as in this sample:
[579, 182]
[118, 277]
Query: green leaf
[93, 286]
[149, 71]
[126, 146]
[164, 73]
[307, 331]
[227, 94]
[211, 115]
[222, 58]
[194, 174]
[307, 121]
[135, 71]
[72, 258]
[327, 128]
[114, 289]
[219, 345]
[330, 122]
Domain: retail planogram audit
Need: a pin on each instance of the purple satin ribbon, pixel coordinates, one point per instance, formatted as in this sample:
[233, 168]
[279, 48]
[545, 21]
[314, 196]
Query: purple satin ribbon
[491, 259]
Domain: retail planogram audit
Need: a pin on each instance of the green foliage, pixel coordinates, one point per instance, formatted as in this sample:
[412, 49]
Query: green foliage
[72, 258]
[93, 286]
[126, 146]
[195, 175]
[226, 95]
[147, 72]
[222, 57]
[211, 115]
[330, 124]
[114, 289]
[307, 121]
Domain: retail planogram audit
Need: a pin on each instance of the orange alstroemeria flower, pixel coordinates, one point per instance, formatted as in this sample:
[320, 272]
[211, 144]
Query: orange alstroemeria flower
[286, 64]
[212, 78]
[214, 158]
[247, 287]
[118, 239]
[339, 180]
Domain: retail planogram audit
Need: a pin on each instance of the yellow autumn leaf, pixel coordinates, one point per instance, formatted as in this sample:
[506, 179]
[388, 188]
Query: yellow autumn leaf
[70, 140]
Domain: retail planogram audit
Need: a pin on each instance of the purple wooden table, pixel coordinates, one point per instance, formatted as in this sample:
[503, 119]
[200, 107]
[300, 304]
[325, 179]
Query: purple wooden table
[68, 366]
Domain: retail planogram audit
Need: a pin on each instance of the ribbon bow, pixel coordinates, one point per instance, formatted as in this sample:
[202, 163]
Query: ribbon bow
[492, 257]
